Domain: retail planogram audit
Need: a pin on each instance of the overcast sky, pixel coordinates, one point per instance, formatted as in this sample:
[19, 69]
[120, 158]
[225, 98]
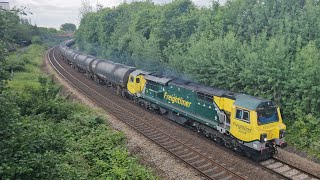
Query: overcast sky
[53, 13]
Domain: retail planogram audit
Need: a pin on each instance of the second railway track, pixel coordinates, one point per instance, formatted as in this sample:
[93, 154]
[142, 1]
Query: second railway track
[201, 162]
[286, 170]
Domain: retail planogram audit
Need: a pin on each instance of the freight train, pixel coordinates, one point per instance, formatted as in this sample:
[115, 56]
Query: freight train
[249, 125]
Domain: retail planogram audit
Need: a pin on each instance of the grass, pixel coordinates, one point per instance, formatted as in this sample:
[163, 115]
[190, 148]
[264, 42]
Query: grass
[28, 72]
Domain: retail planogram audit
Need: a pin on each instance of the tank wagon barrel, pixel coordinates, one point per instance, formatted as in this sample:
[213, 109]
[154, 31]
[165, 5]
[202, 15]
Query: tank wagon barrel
[62, 49]
[111, 72]
[121, 75]
[104, 70]
[69, 55]
[87, 63]
[79, 61]
[68, 43]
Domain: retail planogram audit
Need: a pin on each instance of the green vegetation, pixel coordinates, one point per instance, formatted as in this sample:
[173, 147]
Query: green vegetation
[16, 33]
[69, 27]
[304, 133]
[25, 66]
[266, 48]
[44, 136]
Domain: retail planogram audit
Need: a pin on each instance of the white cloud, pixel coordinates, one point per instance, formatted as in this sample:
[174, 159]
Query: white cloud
[53, 13]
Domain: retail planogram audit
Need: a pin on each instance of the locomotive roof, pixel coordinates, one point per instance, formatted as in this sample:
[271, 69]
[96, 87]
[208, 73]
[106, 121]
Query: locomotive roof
[250, 102]
[203, 88]
[138, 72]
[158, 79]
[241, 100]
[190, 85]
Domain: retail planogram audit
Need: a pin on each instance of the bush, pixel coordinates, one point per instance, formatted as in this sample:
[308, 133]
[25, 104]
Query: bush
[15, 64]
[36, 40]
[303, 133]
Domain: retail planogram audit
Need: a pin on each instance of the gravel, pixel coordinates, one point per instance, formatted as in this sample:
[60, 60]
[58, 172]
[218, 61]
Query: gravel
[298, 161]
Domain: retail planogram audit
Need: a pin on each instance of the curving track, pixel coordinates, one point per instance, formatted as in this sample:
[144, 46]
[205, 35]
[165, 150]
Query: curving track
[201, 162]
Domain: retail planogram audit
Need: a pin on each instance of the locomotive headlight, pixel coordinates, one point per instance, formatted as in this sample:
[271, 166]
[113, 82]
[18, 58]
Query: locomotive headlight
[282, 133]
[263, 138]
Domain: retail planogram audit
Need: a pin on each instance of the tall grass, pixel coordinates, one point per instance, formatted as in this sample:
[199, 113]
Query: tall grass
[25, 67]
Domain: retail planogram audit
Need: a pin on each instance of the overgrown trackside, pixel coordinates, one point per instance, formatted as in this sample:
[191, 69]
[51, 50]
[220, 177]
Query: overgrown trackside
[44, 136]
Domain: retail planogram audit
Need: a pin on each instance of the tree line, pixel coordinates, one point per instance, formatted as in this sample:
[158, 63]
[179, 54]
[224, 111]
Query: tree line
[15, 32]
[265, 48]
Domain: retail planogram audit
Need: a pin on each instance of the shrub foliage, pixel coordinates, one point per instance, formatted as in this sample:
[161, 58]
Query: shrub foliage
[44, 136]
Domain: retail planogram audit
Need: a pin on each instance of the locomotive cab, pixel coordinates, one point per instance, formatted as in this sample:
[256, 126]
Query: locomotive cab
[136, 82]
[258, 124]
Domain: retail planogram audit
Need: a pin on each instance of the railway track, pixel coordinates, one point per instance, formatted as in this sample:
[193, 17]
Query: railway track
[209, 168]
[205, 165]
[286, 170]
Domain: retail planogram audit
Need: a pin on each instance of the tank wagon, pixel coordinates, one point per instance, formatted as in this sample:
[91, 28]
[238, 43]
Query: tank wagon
[112, 74]
[249, 125]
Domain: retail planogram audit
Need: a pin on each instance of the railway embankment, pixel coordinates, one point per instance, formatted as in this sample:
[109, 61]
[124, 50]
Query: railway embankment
[46, 136]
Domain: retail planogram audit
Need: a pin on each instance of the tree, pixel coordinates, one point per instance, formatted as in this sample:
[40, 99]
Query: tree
[8, 21]
[68, 27]
[304, 80]
[85, 8]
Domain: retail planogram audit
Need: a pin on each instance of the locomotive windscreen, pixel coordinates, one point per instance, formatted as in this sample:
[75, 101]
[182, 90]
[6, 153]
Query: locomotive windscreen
[267, 113]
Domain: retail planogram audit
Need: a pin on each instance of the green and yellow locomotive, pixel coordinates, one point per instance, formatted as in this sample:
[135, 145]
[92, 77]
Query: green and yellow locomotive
[247, 124]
